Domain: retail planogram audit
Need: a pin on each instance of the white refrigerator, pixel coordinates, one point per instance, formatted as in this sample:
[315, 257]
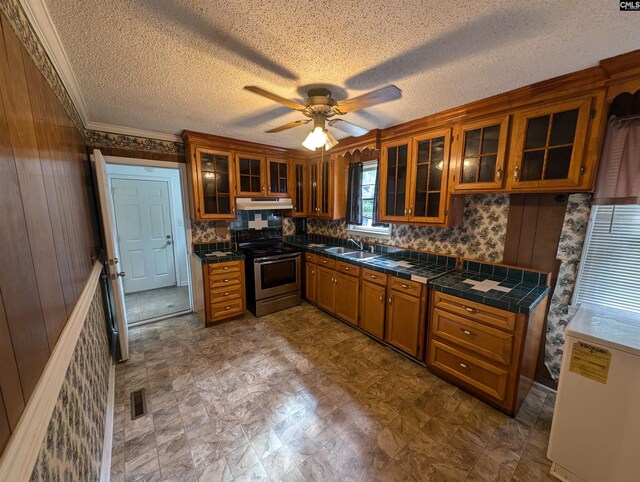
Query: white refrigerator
[595, 434]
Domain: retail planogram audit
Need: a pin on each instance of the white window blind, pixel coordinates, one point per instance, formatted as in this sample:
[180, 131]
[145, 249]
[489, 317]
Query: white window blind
[609, 271]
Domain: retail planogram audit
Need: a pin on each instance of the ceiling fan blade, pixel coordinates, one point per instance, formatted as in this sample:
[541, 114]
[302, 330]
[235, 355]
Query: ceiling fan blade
[274, 97]
[385, 94]
[289, 126]
[348, 127]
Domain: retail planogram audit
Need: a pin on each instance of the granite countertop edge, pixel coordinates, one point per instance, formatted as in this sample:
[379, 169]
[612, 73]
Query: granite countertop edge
[229, 256]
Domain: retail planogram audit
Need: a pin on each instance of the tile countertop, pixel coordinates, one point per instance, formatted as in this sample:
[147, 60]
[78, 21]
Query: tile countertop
[510, 289]
[403, 263]
[215, 253]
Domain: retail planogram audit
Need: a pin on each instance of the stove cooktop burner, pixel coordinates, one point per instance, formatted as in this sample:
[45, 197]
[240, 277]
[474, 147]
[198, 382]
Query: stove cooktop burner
[269, 250]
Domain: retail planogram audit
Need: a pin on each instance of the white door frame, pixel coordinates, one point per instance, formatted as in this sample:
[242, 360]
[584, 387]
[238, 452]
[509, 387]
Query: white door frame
[174, 225]
[182, 168]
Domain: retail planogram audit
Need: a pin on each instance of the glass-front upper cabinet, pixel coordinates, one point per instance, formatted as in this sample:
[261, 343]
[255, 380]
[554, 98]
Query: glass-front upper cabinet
[428, 180]
[394, 180]
[277, 177]
[479, 155]
[314, 182]
[214, 184]
[251, 176]
[298, 188]
[324, 191]
[549, 146]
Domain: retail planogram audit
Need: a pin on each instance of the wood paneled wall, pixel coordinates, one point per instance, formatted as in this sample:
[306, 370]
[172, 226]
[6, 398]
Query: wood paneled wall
[533, 233]
[156, 156]
[47, 232]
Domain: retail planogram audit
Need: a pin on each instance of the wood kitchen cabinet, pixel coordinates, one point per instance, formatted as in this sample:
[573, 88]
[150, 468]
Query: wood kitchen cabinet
[277, 177]
[479, 155]
[490, 352]
[326, 288]
[406, 316]
[554, 147]
[299, 188]
[251, 175]
[310, 276]
[212, 182]
[224, 291]
[337, 286]
[414, 178]
[347, 286]
[373, 298]
[328, 188]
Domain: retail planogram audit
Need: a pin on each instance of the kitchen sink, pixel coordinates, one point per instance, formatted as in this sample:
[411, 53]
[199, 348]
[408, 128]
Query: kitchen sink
[361, 255]
[339, 250]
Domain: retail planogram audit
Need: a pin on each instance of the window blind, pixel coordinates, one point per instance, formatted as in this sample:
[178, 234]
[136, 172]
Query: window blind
[609, 272]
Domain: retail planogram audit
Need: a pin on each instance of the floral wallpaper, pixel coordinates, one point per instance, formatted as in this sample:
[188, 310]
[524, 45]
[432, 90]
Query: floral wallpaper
[210, 231]
[572, 237]
[107, 139]
[72, 448]
[480, 236]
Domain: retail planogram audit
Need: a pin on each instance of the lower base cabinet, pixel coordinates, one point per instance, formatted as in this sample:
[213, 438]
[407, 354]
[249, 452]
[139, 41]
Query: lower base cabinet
[491, 353]
[347, 289]
[406, 317]
[372, 308]
[224, 291]
[310, 276]
[326, 288]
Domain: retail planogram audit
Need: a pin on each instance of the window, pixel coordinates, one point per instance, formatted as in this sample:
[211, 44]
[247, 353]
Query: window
[609, 272]
[369, 181]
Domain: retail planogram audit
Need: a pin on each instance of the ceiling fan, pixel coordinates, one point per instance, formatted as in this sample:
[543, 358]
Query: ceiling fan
[320, 107]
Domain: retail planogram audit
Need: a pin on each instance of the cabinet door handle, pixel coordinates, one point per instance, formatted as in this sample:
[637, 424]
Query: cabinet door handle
[467, 332]
[405, 211]
[390, 300]
[233, 210]
[516, 174]
[313, 272]
[499, 174]
[381, 297]
[410, 210]
[463, 365]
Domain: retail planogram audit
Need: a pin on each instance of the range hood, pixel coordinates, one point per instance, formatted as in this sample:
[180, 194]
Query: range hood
[256, 204]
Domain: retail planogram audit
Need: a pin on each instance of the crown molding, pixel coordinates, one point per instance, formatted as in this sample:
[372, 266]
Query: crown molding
[131, 131]
[38, 15]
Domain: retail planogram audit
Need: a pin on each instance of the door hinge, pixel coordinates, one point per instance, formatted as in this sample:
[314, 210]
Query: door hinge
[593, 113]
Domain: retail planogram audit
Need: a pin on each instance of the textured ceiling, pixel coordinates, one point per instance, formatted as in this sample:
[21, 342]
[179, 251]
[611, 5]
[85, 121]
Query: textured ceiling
[168, 65]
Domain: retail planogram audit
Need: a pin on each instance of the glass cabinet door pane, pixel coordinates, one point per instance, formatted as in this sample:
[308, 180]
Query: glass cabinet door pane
[299, 188]
[282, 175]
[537, 130]
[472, 143]
[314, 187]
[273, 177]
[563, 127]
[490, 137]
[532, 163]
[558, 161]
[433, 204]
[324, 207]
[487, 168]
[469, 169]
[435, 177]
[392, 169]
[215, 183]
[250, 175]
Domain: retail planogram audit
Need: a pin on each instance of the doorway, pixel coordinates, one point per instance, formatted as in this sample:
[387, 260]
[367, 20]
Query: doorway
[152, 233]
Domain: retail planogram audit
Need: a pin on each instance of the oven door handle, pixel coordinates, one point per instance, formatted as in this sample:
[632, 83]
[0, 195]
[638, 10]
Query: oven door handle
[277, 260]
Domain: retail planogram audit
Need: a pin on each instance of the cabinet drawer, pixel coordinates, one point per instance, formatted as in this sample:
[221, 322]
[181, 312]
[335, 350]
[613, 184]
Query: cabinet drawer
[219, 268]
[329, 263]
[476, 311]
[405, 286]
[488, 378]
[347, 268]
[494, 344]
[220, 295]
[374, 276]
[310, 257]
[227, 308]
[223, 279]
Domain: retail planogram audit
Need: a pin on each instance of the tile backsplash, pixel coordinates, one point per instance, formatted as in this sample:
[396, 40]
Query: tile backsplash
[480, 236]
[220, 231]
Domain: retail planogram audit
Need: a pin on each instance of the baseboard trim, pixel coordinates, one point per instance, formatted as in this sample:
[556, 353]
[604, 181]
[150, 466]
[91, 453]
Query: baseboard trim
[105, 473]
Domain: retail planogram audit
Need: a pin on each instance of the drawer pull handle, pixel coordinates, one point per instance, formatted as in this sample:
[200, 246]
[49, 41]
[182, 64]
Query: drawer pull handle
[467, 332]
[373, 276]
[227, 308]
[464, 365]
[226, 293]
[225, 280]
[470, 310]
[347, 269]
[404, 285]
[225, 268]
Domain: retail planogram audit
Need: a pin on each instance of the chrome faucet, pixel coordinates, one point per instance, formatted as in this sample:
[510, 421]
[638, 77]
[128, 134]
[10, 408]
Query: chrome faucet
[357, 243]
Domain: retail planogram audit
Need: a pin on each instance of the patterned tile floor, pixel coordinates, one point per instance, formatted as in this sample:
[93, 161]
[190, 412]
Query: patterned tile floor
[152, 303]
[297, 395]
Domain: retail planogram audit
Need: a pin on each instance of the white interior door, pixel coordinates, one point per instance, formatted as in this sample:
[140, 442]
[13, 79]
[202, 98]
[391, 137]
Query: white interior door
[143, 222]
[113, 256]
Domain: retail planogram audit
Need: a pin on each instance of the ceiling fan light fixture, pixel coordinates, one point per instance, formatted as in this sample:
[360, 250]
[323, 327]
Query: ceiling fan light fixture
[316, 138]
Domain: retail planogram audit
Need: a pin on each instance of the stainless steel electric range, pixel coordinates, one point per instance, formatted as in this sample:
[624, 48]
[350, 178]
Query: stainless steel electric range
[273, 270]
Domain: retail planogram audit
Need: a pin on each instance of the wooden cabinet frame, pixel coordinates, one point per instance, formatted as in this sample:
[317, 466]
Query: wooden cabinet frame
[306, 186]
[384, 179]
[198, 192]
[287, 163]
[457, 156]
[263, 174]
[578, 164]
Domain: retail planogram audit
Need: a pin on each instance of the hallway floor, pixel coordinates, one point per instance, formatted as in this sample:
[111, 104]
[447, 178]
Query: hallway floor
[298, 395]
[144, 305]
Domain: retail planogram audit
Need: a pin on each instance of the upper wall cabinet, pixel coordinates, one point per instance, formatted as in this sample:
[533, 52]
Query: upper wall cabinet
[251, 175]
[478, 159]
[413, 179]
[299, 188]
[213, 184]
[277, 177]
[328, 187]
[553, 147]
